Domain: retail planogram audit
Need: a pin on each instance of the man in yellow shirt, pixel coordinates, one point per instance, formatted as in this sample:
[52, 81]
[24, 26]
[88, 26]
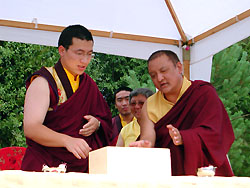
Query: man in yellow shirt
[125, 116]
[187, 117]
[131, 131]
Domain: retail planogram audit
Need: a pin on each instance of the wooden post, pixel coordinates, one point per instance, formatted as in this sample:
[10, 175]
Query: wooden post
[186, 62]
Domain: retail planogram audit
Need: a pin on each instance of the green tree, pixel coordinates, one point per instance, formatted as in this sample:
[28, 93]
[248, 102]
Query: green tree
[231, 78]
[17, 62]
[110, 72]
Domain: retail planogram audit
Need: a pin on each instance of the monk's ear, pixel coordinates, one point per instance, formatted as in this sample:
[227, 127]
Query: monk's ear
[61, 50]
[179, 67]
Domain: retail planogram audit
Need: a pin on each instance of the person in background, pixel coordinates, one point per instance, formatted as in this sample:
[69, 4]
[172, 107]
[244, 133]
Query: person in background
[187, 117]
[65, 114]
[125, 116]
[131, 131]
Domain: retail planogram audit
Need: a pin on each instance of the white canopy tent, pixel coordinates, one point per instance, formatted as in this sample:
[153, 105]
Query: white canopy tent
[134, 28]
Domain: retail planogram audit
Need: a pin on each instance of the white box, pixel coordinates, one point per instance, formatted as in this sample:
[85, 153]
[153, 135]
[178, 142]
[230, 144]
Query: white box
[130, 161]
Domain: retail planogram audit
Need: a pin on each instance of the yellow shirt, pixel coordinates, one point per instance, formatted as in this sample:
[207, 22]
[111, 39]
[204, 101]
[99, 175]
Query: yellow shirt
[130, 132]
[124, 122]
[158, 106]
[61, 92]
[74, 82]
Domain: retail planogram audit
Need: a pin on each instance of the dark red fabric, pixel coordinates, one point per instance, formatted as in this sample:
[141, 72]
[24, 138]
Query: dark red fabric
[114, 141]
[11, 158]
[68, 119]
[117, 126]
[205, 129]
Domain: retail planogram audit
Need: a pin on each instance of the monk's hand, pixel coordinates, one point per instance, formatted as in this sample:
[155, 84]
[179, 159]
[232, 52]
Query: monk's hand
[175, 135]
[78, 146]
[141, 143]
[90, 127]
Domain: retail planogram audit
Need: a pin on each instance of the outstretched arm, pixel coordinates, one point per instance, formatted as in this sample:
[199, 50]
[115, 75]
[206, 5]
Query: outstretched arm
[147, 136]
[36, 105]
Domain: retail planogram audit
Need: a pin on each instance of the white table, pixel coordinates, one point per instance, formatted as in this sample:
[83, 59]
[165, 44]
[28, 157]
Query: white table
[21, 179]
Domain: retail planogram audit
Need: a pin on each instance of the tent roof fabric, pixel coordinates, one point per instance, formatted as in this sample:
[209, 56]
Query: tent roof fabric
[136, 17]
[133, 28]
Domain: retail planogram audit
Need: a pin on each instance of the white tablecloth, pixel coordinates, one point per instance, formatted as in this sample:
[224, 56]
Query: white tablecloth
[21, 179]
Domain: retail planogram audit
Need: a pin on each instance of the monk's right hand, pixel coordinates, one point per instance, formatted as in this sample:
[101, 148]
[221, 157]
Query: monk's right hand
[78, 147]
[141, 143]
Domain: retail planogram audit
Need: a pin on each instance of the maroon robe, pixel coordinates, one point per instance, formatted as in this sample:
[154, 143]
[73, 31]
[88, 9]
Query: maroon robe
[117, 126]
[205, 128]
[67, 118]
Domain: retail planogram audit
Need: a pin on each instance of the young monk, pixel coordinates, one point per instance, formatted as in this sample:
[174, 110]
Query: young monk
[65, 115]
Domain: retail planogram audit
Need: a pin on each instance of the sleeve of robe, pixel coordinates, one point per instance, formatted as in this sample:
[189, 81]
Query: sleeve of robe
[209, 138]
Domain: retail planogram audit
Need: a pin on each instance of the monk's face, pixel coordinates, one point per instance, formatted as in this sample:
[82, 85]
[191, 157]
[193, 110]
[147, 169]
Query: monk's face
[77, 57]
[122, 102]
[136, 104]
[165, 75]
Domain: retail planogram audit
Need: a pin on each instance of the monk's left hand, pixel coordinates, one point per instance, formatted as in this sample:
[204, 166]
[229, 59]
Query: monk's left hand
[175, 135]
[90, 127]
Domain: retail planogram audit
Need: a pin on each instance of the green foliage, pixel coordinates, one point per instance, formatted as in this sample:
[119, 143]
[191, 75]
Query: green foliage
[231, 78]
[145, 82]
[111, 72]
[17, 62]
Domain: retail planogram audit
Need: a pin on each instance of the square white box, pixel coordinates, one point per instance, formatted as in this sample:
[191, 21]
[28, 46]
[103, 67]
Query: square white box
[130, 161]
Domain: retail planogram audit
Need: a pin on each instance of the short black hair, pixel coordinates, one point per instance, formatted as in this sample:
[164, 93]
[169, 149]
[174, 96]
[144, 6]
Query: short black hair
[122, 88]
[172, 56]
[141, 91]
[77, 31]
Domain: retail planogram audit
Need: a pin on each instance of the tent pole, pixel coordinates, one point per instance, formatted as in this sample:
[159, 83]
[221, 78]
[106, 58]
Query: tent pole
[186, 62]
[176, 20]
